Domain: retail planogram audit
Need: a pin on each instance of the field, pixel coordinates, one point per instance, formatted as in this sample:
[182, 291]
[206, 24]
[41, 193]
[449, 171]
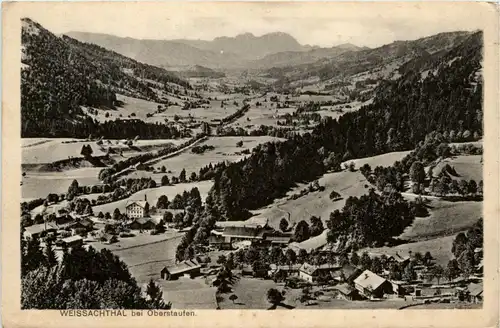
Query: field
[155, 193]
[318, 203]
[225, 149]
[446, 218]
[186, 293]
[440, 249]
[38, 185]
[251, 294]
[467, 167]
[52, 150]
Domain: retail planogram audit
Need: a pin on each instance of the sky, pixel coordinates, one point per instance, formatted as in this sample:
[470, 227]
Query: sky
[320, 23]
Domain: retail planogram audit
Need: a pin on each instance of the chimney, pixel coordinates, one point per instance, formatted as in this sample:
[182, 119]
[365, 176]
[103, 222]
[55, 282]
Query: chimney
[146, 198]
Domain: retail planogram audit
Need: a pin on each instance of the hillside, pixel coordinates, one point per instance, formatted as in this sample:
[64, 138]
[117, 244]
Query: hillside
[402, 113]
[385, 59]
[294, 58]
[201, 71]
[249, 46]
[242, 51]
[60, 75]
[162, 53]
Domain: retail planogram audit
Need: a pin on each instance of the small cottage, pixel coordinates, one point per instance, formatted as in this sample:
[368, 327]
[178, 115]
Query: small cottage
[371, 285]
[189, 267]
[311, 273]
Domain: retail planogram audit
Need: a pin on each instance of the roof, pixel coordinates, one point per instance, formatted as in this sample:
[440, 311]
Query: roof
[72, 239]
[141, 203]
[253, 222]
[184, 266]
[216, 239]
[475, 289]
[143, 220]
[311, 243]
[369, 280]
[243, 232]
[311, 269]
[279, 239]
[344, 289]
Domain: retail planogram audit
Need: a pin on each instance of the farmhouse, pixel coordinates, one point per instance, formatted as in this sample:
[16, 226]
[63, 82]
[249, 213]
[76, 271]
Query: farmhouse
[371, 285]
[346, 292]
[311, 273]
[347, 273]
[189, 267]
[250, 231]
[137, 208]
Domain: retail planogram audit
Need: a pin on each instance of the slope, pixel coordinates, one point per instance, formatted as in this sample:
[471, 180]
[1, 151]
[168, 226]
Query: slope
[60, 75]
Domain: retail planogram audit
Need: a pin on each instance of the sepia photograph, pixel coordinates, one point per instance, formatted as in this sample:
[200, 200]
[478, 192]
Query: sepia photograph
[250, 160]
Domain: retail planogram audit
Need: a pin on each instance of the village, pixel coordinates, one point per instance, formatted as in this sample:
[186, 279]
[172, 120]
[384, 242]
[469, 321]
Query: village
[253, 250]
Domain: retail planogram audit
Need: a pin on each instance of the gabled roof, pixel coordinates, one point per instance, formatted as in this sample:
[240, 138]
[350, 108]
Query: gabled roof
[369, 280]
[184, 266]
[344, 289]
[475, 289]
[141, 203]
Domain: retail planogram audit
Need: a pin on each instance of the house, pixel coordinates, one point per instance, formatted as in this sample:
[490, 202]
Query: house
[281, 272]
[311, 273]
[248, 270]
[39, 230]
[142, 224]
[371, 285]
[346, 292]
[188, 267]
[218, 242]
[81, 227]
[72, 241]
[137, 208]
[347, 273]
[475, 293]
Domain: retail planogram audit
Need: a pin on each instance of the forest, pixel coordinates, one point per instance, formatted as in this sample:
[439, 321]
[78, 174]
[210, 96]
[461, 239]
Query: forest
[60, 75]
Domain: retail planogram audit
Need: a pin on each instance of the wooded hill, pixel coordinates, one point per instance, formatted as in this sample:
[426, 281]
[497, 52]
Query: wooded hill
[60, 74]
[349, 63]
[403, 112]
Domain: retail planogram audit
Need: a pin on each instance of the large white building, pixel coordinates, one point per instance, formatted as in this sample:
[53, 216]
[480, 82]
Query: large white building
[137, 208]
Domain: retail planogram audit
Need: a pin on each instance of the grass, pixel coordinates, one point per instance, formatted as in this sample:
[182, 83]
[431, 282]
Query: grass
[252, 294]
[186, 293]
[37, 185]
[446, 218]
[225, 149]
[318, 203]
[440, 249]
[155, 193]
[55, 150]
[467, 167]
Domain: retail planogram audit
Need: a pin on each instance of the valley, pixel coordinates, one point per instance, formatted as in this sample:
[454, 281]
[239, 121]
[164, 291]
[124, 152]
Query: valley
[211, 168]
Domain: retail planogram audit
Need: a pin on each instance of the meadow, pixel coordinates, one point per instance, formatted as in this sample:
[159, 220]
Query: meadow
[154, 193]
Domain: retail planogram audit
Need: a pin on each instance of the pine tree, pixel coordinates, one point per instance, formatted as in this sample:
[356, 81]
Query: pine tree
[155, 297]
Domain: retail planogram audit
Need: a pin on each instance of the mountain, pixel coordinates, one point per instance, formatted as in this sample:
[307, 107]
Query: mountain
[60, 75]
[385, 59]
[248, 46]
[162, 53]
[200, 71]
[294, 58]
[220, 53]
